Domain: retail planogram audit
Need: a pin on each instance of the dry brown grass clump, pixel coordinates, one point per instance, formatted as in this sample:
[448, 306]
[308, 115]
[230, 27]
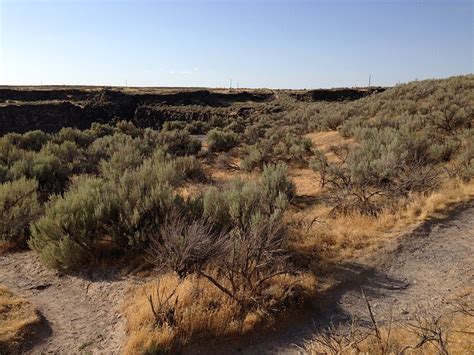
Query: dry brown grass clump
[172, 313]
[327, 139]
[426, 333]
[344, 237]
[17, 319]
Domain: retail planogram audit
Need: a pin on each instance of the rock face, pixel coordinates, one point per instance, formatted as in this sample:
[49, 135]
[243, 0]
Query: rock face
[343, 94]
[44, 94]
[22, 110]
[47, 117]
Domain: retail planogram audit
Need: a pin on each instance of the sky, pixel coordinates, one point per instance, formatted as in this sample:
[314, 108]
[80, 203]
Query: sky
[254, 43]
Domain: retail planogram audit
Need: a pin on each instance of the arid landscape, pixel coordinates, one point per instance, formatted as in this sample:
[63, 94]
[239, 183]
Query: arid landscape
[255, 221]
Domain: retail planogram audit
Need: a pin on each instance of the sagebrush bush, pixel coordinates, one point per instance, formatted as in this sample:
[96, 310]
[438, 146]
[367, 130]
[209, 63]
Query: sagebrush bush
[253, 159]
[69, 154]
[32, 140]
[52, 175]
[105, 146]
[221, 141]
[386, 165]
[99, 130]
[146, 195]
[126, 157]
[174, 125]
[179, 142]
[241, 203]
[128, 128]
[280, 144]
[19, 207]
[80, 138]
[198, 127]
[66, 236]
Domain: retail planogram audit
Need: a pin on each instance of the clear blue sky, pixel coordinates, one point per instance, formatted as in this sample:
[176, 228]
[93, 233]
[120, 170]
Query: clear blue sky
[278, 44]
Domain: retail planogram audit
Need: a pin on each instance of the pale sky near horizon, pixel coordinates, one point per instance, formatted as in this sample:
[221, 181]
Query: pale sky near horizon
[260, 43]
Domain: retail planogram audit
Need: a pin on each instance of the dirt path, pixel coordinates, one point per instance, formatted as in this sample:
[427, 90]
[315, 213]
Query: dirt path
[425, 268]
[80, 314]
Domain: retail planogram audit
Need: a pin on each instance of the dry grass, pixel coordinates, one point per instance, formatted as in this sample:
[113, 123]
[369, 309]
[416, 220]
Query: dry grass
[306, 181]
[17, 319]
[352, 236]
[450, 332]
[192, 311]
[325, 140]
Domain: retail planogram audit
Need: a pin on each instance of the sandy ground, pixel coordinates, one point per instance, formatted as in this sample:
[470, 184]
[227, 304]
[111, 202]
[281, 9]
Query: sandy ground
[425, 267]
[81, 314]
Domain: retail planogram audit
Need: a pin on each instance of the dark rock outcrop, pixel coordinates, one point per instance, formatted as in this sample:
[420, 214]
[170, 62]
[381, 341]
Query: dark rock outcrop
[343, 94]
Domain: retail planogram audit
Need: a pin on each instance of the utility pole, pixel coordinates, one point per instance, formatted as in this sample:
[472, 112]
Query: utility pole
[369, 80]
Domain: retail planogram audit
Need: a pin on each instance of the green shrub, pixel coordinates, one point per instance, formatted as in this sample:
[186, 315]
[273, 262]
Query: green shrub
[144, 197]
[174, 125]
[66, 236]
[128, 128]
[127, 207]
[274, 182]
[189, 168]
[387, 164]
[69, 154]
[241, 204]
[100, 130]
[5, 174]
[125, 158]
[32, 140]
[179, 142]
[104, 147]
[253, 133]
[235, 126]
[81, 138]
[221, 141]
[252, 159]
[52, 175]
[18, 208]
[333, 120]
[9, 153]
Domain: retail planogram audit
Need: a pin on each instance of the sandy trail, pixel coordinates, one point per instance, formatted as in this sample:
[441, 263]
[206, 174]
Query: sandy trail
[80, 314]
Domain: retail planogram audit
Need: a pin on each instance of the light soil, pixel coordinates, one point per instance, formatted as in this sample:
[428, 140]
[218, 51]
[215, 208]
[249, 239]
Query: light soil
[80, 313]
